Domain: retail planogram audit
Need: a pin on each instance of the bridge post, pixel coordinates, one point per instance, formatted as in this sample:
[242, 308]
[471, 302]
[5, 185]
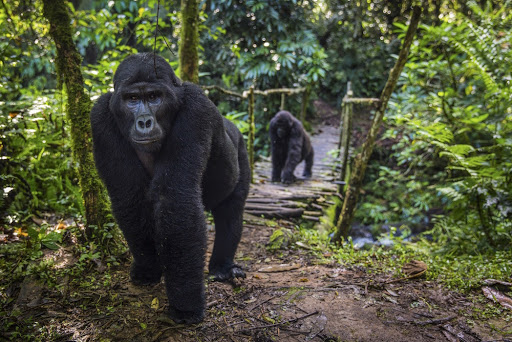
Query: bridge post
[252, 128]
[345, 132]
[283, 101]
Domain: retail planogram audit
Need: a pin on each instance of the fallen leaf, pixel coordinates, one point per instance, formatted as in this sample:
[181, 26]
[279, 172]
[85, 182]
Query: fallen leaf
[392, 293]
[494, 282]
[268, 319]
[19, 232]
[155, 303]
[303, 280]
[497, 296]
[414, 268]
[61, 226]
[279, 268]
[257, 276]
[391, 299]
[302, 245]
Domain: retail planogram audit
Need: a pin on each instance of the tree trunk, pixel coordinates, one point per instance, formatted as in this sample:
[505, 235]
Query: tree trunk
[361, 160]
[252, 130]
[77, 113]
[189, 41]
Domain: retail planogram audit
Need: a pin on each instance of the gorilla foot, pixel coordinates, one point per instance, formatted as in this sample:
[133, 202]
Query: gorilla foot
[186, 317]
[144, 276]
[226, 273]
[306, 175]
[288, 179]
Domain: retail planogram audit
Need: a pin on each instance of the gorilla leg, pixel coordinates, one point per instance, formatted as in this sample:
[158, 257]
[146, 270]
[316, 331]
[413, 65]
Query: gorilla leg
[309, 165]
[228, 217]
[138, 227]
[278, 160]
[181, 253]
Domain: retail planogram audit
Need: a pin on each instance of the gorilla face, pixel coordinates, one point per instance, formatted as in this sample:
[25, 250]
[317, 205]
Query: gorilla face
[283, 125]
[142, 105]
[145, 101]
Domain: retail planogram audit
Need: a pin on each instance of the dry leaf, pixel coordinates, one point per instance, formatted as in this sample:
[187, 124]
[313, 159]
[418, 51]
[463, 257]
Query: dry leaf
[414, 268]
[303, 280]
[303, 245]
[61, 226]
[19, 232]
[494, 282]
[392, 293]
[155, 303]
[497, 296]
[391, 299]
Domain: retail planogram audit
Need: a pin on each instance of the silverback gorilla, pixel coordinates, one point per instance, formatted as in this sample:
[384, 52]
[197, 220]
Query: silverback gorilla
[165, 155]
[290, 146]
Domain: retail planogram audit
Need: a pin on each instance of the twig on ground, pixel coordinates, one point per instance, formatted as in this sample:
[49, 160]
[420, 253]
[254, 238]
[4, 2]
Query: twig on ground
[280, 323]
[266, 301]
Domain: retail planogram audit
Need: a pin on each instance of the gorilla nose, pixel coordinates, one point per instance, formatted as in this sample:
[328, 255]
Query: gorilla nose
[144, 124]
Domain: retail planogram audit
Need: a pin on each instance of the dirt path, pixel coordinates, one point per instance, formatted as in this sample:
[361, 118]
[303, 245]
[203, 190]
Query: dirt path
[288, 295]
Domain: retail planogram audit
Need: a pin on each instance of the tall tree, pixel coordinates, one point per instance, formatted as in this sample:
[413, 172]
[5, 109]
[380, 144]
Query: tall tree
[361, 160]
[77, 112]
[189, 41]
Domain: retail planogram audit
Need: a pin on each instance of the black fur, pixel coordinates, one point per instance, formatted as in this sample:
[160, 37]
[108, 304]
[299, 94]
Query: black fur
[165, 155]
[290, 146]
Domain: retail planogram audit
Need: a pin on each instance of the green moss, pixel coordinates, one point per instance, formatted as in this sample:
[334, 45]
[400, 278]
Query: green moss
[189, 41]
[78, 107]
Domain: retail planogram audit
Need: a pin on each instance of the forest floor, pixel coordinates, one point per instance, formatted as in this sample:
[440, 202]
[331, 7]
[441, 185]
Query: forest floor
[291, 294]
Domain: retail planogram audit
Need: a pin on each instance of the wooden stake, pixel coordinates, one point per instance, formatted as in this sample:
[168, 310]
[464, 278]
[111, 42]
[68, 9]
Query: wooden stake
[252, 129]
[361, 161]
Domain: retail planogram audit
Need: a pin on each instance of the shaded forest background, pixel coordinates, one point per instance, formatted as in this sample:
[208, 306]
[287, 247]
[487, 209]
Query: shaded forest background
[441, 176]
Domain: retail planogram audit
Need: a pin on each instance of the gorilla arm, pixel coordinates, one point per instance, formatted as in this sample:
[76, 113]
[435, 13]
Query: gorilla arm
[278, 153]
[125, 179]
[180, 227]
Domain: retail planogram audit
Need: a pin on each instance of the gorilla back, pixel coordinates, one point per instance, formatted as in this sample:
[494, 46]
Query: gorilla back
[165, 155]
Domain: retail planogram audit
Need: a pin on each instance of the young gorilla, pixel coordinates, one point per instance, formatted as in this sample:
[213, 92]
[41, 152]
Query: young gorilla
[165, 155]
[290, 146]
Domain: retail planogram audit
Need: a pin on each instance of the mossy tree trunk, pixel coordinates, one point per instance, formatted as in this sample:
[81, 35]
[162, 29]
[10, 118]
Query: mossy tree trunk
[77, 112]
[189, 41]
[361, 160]
[252, 130]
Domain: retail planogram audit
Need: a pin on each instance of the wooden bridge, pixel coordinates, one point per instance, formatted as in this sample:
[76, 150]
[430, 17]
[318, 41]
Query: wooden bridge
[305, 198]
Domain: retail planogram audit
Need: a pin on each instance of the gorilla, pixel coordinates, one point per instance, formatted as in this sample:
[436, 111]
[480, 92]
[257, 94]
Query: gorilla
[166, 155]
[290, 146]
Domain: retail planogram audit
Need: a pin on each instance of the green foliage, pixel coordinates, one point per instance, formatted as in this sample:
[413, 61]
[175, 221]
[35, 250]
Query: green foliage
[451, 118]
[395, 196]
[40, 237]
[272, 46]
[36, 173]
[25, 59]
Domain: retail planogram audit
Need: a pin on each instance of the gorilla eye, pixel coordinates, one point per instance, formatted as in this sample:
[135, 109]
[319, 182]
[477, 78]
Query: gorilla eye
[133, 98]
[153, 97]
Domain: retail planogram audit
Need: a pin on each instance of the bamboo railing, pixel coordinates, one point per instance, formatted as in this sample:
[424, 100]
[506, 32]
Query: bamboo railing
[250, 95]
[347, 109]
